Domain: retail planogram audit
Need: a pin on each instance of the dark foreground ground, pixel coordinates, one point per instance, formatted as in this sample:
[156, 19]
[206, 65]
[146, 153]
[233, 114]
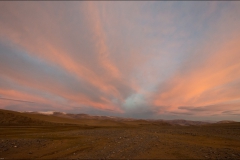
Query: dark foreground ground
[219, 141]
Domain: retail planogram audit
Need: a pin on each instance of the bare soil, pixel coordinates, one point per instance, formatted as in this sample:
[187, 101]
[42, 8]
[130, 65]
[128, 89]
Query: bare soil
[25, 136]
[142, 142]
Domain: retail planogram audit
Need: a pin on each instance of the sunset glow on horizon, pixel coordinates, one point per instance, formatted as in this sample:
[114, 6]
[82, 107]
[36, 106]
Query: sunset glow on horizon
[165, 60]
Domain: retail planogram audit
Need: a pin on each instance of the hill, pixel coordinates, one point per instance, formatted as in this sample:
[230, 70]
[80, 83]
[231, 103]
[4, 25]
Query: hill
[58, 118]
[16, 118]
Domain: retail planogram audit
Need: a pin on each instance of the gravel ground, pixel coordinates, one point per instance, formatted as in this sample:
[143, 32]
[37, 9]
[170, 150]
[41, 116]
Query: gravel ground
[123, 143]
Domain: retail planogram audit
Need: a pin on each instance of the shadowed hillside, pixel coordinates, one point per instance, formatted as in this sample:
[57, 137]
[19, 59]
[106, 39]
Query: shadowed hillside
[16, 118]
[34, 118]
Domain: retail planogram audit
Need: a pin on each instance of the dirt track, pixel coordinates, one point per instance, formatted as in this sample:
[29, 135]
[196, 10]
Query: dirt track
[74, 142]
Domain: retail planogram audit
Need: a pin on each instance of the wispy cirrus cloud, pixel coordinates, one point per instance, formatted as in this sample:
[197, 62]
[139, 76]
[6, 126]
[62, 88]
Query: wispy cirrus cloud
[137, 59]
[210, 75]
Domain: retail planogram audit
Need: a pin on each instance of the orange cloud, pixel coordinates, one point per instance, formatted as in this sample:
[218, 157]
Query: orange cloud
[212, 81]
[48, 46]
[13, 94]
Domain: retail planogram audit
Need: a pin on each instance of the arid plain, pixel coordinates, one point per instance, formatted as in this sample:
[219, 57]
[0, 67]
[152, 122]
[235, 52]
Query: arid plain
[59, 136]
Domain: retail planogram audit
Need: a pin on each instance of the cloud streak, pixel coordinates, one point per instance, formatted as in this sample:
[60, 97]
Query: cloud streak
[137, 59]
[17, 100]
[210, 76]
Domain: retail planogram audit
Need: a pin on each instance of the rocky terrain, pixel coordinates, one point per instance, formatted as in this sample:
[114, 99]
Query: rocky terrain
[129, 140]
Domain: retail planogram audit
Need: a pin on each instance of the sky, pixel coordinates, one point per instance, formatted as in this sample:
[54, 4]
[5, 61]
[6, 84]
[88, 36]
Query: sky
[137, 59]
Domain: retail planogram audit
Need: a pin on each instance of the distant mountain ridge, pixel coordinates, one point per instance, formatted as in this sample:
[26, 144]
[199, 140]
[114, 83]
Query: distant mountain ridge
[225, 121]
[175, 122]
[186, 122]
[79, 116]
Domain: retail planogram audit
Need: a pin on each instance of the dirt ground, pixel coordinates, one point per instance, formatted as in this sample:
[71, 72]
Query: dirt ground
[220, 141]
